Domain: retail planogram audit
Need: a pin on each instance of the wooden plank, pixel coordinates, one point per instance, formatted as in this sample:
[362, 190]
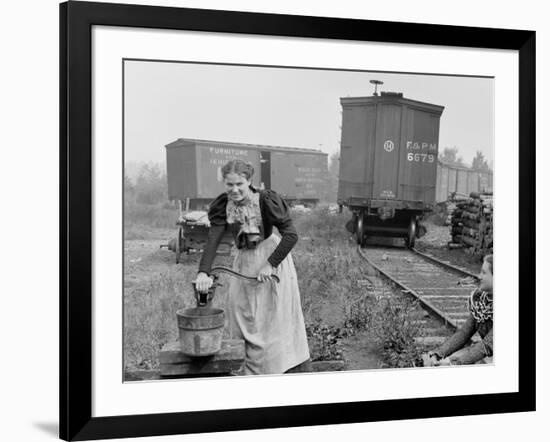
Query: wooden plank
[232, 349]
[229, 360]
[204, 366]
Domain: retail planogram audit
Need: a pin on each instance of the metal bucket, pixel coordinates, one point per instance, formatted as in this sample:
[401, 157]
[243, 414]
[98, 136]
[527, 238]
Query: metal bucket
[200, 330]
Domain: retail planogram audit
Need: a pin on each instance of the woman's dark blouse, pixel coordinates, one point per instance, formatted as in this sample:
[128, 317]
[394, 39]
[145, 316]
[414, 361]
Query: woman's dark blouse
[274, 212]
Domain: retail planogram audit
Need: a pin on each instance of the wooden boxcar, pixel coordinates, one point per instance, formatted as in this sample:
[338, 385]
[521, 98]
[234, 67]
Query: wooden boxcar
[388, 163]
[460, 181]
[193, 169]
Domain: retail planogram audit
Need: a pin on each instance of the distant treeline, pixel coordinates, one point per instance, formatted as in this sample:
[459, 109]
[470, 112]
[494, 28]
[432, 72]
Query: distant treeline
[450, 156]
[149, 186]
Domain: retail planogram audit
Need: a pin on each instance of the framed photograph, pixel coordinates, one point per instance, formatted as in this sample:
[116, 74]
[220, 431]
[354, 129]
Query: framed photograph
[273, 220]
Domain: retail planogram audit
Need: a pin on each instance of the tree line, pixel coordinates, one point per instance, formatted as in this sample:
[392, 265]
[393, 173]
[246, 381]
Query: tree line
[449, 155]
[149, 186]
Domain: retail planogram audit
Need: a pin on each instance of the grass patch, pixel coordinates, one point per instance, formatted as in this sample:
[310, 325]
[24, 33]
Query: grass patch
[160, 215]
[336, 300]
[150, 314]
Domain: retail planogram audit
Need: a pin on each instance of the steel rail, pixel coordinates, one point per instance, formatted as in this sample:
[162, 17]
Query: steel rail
[428, 305]
[445, 264]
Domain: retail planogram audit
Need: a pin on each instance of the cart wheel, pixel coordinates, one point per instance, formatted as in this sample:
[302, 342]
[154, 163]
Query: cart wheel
[179, 244]
[360, 230]
[411, 236]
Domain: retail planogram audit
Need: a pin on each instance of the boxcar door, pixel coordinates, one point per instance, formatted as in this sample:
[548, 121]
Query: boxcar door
[282, 175]
[419, 157]
[265, 170]
[356, 152]
[387, 148]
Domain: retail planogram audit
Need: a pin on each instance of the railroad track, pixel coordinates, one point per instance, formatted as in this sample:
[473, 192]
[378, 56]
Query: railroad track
[440, 288]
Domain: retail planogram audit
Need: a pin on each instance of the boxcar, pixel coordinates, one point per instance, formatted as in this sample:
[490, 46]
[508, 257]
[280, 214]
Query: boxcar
[388, 163]
[193, 170]
[461, 181]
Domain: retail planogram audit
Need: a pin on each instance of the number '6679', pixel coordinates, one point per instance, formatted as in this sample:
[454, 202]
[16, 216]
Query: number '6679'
[420, 157]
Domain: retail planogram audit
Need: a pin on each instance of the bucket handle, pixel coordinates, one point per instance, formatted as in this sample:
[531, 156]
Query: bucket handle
[237, 274]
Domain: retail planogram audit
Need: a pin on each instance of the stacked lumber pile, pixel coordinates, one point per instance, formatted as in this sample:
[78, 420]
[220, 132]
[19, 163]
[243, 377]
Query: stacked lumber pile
[450, 207]
[472, 224]
[446, 209]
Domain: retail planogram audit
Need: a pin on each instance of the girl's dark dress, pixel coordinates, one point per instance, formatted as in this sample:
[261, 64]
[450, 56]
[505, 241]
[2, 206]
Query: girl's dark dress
[480, 320]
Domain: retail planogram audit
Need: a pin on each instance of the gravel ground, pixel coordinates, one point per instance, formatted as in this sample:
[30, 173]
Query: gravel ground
[435, 243]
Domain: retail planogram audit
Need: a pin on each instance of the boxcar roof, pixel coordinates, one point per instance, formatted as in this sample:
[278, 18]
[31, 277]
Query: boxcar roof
[391, 98]
[181, 141]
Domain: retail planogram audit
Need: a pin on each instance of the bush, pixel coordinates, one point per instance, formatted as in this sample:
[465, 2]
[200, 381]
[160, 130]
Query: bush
[359, 314]
[324, 342]
[395, 332]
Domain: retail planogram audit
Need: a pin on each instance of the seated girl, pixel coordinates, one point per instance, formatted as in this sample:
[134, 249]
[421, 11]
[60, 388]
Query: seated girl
[454, 350]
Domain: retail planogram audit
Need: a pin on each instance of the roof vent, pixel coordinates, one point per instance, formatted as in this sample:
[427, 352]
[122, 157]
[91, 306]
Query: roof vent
[392, 94]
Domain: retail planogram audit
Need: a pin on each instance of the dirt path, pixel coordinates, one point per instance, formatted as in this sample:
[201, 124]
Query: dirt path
[360, 353]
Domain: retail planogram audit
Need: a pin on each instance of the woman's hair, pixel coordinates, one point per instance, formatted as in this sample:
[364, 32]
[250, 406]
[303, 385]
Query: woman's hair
[489, 260]
[239, 167]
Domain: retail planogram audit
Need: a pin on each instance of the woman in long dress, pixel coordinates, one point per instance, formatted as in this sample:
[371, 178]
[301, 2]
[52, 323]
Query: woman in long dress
[266, 314]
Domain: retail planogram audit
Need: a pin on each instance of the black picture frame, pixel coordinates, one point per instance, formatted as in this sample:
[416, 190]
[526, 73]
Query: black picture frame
[76, 21]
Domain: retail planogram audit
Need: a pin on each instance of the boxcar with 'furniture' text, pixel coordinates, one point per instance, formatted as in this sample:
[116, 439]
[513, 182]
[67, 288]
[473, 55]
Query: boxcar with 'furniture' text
[193, 169]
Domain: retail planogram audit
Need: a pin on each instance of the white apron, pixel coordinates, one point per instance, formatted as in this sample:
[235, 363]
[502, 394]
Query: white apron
[268, 316]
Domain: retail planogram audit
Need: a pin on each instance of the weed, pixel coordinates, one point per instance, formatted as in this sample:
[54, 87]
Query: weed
[324, 342]
[359, 314]
[395, 332]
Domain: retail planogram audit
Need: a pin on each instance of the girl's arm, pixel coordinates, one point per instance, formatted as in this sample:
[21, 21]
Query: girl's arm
[476, 352]
[278, 215]
[218, 223]
[215, 235]
[459, 339]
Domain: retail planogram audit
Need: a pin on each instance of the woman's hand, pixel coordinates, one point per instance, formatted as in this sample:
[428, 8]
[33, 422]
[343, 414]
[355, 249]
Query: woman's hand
[445, 361]
[265, 272]
[430, 359]
[203, 282]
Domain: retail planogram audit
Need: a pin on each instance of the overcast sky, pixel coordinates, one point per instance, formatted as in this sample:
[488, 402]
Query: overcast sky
[284, 107]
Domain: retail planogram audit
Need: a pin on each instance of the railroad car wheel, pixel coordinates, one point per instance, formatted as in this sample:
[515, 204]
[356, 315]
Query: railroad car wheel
[411, 236]
[360, 230]
[179, 244]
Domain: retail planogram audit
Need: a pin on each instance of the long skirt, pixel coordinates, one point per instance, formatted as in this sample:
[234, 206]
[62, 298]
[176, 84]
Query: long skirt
[267, 315]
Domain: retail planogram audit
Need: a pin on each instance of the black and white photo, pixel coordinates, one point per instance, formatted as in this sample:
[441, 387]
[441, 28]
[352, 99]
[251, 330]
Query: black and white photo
[367, 195]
